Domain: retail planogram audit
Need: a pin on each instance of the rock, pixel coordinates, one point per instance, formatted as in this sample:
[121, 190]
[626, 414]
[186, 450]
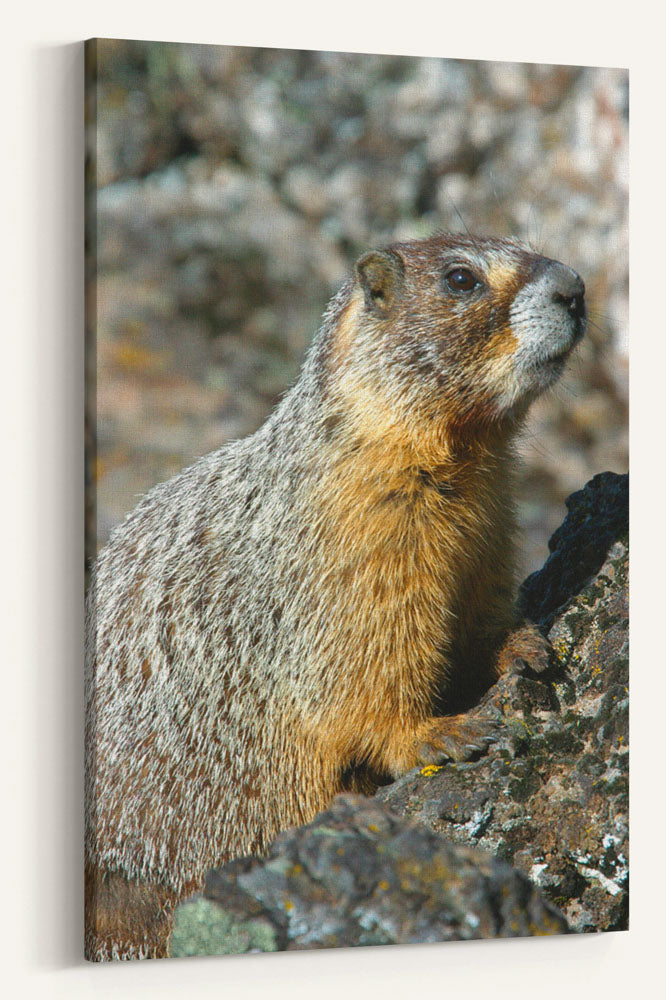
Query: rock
[598, 516]
[360, 875]
[551, 796]
[429, 858]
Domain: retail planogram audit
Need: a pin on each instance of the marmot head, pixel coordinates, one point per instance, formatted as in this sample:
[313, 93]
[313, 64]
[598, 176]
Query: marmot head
[462, 330]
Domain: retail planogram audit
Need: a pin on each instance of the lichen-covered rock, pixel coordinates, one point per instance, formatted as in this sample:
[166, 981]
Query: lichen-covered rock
[360, 875]
[551, 796]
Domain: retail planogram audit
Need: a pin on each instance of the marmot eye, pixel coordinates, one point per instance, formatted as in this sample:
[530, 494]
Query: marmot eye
[461, 280]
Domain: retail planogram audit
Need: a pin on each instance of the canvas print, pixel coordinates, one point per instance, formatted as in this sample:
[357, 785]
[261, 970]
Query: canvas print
[357, 500]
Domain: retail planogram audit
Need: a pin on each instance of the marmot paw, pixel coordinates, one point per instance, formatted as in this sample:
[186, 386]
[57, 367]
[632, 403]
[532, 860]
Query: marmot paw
[454, 737]
[524, 649]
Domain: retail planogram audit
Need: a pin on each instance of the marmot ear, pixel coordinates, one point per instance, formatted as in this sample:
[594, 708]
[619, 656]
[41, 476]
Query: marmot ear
[381, 274]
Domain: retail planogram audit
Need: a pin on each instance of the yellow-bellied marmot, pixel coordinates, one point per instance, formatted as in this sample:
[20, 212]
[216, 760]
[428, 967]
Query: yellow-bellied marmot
[293, 613]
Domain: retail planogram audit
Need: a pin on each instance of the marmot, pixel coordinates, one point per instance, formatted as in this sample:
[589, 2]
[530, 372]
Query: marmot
[291, 616]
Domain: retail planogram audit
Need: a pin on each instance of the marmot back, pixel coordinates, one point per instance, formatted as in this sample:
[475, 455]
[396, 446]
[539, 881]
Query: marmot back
[278, 622]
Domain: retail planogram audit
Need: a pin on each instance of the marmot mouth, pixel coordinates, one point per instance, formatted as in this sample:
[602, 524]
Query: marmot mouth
[562, 356]
[565, 352]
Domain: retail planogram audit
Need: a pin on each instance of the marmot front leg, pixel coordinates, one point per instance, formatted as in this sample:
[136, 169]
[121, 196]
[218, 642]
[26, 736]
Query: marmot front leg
[442, 738]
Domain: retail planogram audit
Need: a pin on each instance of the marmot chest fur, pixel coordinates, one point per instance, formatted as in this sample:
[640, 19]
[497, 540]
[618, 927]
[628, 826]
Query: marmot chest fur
[288, 612]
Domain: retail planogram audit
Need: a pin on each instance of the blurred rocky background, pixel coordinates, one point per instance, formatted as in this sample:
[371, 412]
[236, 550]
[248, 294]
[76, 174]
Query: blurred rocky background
[231, 189]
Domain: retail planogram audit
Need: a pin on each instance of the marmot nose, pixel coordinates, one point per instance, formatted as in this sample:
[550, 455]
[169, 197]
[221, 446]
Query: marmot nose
[568, 289]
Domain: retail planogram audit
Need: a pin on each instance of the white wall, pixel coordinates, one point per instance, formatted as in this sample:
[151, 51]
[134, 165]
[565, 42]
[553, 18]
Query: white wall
[42, 400]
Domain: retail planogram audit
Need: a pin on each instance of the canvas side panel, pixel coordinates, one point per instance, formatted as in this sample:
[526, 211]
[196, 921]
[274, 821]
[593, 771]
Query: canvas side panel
[90, 417]
[90, 195]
